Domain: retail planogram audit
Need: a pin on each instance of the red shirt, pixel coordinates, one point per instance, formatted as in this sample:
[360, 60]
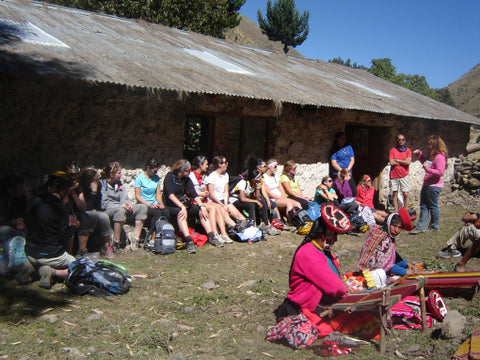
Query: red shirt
[399, 171]
[365, 196]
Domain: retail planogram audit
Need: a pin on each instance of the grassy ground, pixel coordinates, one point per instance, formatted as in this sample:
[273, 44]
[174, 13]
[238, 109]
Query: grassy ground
[216, 304]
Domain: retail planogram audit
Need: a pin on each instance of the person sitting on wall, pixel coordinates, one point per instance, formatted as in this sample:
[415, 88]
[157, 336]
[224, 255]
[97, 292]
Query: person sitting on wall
[93, 221]
[469, 231]
[148, 193]
[326, 193]
[379, 250]
[342, 186]
[289, 181]
[274, 192]
[215, 211]
[51, 230]
[178, 196]
[116, 204]
[217, 182]
[365, 194]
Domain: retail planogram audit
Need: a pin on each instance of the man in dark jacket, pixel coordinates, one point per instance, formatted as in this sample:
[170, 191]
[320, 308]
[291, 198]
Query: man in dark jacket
[51, 229]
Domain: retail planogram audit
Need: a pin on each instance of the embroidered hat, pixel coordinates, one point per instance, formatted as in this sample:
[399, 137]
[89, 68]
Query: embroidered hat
[335, 219]
[407, 223]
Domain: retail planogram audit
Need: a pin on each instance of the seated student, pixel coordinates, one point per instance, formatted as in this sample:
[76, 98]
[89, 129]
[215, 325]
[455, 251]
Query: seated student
[178, 194]
[215, 211]
[379, 251]
[116, 204]
[326, 193]
[274, 192]
[342, 186]
[148, 193]
[13, 210]
[51, 230]
[93, 221]
[365, 194]
[315, 280]
[290, 184]
[217, 185]
[469, 231]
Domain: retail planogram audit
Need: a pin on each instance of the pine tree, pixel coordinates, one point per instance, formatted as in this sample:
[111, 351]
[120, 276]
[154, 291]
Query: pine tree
[284, 23]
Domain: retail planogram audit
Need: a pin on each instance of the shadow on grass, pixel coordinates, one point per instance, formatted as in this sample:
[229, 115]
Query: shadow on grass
[20, 302]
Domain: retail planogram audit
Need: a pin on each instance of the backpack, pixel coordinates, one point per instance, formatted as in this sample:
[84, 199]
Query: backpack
[298, 217]
[250, 235]
[232, 183]
[358, 222]
[313, 210]
[102, 278]
[164, 242]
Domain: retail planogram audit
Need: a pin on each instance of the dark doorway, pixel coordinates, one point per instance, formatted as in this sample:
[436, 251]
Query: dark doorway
[370, 145]
[235, 138]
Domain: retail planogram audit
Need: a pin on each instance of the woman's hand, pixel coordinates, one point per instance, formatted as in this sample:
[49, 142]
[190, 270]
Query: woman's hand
[416, 152]
[73, 221]
[203, 213]
[127, 206]
[259, 203]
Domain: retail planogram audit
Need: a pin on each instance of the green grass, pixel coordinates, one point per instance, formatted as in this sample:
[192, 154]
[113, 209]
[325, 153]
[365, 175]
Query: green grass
[171, 315]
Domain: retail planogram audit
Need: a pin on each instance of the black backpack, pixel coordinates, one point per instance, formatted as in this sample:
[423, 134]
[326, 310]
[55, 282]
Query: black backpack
[299, 217]
[164, 242]
[232, 183]
[101, 278]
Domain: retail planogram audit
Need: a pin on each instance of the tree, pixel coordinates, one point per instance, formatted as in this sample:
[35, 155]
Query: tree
[284, 23]
[383, 68]
[209, 17]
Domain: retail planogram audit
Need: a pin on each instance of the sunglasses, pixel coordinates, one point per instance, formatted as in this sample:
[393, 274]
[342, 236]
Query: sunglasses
[295, 168]
[224, 162]
[400, 139]
[329, 180]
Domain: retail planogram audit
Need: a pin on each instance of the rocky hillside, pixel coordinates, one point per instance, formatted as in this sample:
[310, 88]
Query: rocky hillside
[466, 92]
[249, 33]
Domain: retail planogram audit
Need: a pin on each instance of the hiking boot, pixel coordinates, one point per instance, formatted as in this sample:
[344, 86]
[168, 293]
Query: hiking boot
[262, 227]
[226, 239]
[215, 241]
[241, 225]
[116, 247]
[23, 273]
[191, 248]
[107, 251]
[448, 252]
[46, 276]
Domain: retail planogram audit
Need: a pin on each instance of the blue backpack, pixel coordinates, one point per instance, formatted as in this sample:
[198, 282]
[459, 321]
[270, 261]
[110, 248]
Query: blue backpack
[313, 210]
[97, 278]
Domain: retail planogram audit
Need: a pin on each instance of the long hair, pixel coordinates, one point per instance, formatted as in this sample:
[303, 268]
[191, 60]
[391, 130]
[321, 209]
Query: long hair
[215, 163]
[363, 179]
[289, 165]
[87, 177]
[109, 169]
[176, 167]
[438, 146]
[197, 161]
[342, 173]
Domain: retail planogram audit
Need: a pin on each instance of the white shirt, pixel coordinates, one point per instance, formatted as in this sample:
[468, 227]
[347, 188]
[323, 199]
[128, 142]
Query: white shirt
[242, 185]
[219, 182]
[272, 184]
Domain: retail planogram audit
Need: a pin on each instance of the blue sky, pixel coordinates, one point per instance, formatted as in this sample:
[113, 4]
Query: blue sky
[439, 39]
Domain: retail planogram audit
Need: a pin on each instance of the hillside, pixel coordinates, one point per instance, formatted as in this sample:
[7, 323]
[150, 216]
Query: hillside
[466, 92]
[249, 33]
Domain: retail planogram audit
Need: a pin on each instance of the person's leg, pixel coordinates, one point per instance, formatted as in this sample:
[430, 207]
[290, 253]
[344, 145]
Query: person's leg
[424, 215]
[140, 214]
[434, 193]
[118, 216]
[248, 207]
[53, 267]
[472, 250]
[235, 213]
[303, 203]
[264, 211]
[395, 200]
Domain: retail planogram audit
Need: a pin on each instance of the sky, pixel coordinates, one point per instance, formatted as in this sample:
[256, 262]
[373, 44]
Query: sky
[439, 39]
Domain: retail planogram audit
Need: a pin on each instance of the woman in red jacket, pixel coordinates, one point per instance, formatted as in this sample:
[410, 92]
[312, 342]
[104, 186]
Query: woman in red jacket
[365, 194]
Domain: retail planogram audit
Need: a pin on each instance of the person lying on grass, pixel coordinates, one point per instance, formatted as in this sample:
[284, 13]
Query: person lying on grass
[379, 251]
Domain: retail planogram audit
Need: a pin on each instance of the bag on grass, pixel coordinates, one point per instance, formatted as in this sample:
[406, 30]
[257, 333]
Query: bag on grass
[298, 217]
[250, 234]
[97, 278]
[164, 242]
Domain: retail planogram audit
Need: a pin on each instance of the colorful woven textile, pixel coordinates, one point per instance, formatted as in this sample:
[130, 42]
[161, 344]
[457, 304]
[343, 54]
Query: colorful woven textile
[470, 349]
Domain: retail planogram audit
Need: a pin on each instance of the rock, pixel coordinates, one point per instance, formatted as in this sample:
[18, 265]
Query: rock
[74, 351]
[474, 183]
[414, 348]
[94, 317]
[453, 325]
[209, 285]
[51, 318]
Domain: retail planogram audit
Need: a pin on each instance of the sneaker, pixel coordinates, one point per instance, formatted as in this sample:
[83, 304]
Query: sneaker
[133, 241]
[447, 253]
[46, 276]
[242, 225]
[215, 241]
[226, 239]
[262, 227]
[270, 230]
[416, 231]
[23, 273]
[116, 247]
[16, 252]
[107, 251]
[191, 248]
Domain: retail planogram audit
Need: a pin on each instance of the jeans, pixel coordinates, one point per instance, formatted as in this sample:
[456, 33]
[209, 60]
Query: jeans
[429, 208]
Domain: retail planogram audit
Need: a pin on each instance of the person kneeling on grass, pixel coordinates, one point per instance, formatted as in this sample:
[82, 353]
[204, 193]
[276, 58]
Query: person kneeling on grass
[379, 251]
[469, 231]
[315, 281]
[50, 230]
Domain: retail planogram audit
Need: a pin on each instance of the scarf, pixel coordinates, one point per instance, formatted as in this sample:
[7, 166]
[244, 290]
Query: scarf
[199, 177]
[402, 148]
[291, 177]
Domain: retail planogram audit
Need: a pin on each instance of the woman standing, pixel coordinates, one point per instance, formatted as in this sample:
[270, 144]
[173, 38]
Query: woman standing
[290, 184]
[341, 154]
[434, 164]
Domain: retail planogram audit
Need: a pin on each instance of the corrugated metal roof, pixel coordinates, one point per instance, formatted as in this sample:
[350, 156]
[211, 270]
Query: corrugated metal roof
[110, 49]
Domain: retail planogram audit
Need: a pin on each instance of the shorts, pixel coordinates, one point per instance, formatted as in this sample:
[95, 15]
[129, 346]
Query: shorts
[60, 262]
[400, 184]
[119, 214]
[95, 222]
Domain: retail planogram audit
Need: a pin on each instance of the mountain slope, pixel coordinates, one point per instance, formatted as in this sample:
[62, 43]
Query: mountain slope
[249, 33]
[465, 92]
